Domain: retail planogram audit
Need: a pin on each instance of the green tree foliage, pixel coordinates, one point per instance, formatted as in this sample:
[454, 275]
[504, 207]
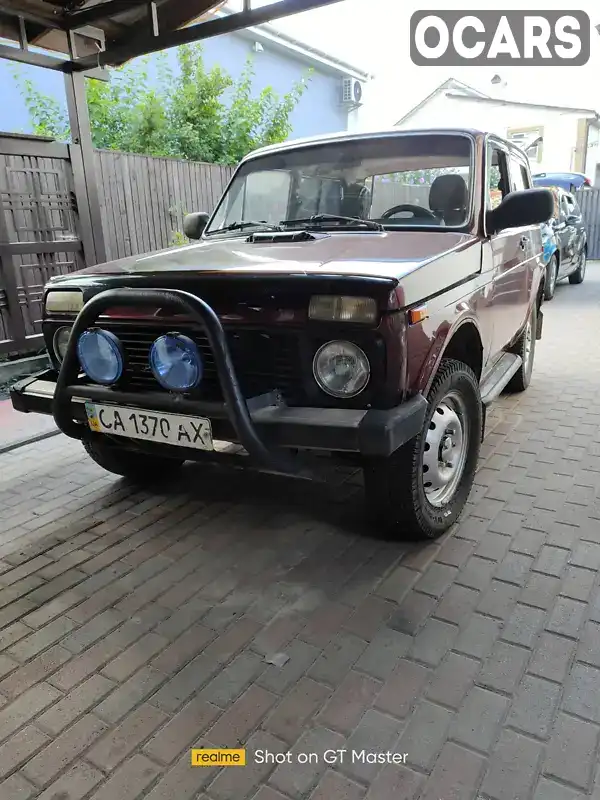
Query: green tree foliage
[418, 177]
[196, 113]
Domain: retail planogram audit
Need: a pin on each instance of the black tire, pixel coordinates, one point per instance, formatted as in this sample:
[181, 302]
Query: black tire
[579, 274]
[136, 466]
[551, 274]
[522, 378]
[395, 487]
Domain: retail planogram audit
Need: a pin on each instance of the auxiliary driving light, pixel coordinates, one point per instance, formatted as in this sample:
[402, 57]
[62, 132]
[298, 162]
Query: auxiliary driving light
[100, 355]
[341, 369]
[176, 363]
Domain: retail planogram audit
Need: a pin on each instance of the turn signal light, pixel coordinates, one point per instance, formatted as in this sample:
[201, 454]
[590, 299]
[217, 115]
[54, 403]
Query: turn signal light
[416, 315]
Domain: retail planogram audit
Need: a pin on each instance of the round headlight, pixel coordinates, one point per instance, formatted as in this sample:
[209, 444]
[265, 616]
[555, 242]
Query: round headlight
[341, 369]
[60, 342]
[176, 363]
[100, 355]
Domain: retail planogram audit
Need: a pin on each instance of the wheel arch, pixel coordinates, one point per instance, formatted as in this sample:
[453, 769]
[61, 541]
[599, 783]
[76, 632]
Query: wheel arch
[462, 343]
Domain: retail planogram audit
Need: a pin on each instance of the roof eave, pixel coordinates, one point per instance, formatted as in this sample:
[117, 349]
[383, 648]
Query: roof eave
[312, 55]
[588, 112]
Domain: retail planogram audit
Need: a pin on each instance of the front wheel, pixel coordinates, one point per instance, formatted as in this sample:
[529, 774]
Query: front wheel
[579, 274]
[420, 490]
[136, 466]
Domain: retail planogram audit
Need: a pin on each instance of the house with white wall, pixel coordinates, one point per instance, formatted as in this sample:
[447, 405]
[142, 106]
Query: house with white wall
[557, 138]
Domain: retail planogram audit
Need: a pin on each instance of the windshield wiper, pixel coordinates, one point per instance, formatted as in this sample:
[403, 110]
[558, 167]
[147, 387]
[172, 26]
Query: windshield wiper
[318, 219]
[238, 226]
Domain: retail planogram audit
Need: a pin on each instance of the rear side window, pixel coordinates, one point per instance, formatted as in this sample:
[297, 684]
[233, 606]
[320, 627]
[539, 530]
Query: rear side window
[498, 180]
[572, 206]
[519, 177]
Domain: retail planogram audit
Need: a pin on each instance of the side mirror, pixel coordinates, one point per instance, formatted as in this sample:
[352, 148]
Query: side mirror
[518, 209]
[194, 224]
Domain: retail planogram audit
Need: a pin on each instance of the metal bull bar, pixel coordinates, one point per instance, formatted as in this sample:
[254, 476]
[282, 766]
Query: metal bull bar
[235, 402]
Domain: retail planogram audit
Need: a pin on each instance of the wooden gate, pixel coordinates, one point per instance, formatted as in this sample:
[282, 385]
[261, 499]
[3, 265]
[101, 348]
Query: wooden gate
[40, 231]
[589, 202]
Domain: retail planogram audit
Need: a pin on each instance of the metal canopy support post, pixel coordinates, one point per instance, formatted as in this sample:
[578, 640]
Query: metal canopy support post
[84, 170]
[84, 167]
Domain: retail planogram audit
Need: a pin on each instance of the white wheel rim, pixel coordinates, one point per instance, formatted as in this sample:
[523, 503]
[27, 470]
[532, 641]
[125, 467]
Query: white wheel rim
[445, 450]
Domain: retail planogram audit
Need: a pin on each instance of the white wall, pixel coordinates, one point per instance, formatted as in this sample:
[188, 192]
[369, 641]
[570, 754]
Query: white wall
[593, 153]
[560, 130]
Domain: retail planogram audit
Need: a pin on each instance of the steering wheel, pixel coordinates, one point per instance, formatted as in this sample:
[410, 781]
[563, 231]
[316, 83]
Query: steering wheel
[417, 211]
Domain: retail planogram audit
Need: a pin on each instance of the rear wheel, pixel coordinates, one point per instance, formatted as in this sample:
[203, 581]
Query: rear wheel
[551, 274]
[420, 490]
[579, 274]
[131, 464]
[525, 347]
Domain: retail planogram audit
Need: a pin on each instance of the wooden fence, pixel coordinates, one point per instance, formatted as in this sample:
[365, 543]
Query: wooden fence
[589, 202]
[144, 199]
[143, 202]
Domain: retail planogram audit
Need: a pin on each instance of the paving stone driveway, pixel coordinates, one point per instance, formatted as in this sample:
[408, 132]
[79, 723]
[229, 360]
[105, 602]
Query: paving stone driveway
[134, 626]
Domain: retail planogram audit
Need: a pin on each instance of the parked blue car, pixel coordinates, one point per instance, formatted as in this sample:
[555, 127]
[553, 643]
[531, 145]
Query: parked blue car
[569, 181]
[564, 242]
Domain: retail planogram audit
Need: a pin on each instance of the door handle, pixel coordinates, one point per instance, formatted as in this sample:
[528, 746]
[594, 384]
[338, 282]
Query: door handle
[523, 242]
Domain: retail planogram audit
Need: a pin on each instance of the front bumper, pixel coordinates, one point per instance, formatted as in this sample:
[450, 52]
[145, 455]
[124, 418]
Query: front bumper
[263, 426]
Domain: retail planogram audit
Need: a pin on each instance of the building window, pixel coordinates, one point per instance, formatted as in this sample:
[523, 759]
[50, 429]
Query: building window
[528, 139]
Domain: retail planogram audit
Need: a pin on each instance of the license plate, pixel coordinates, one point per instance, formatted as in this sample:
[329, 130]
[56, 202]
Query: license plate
[152, 426]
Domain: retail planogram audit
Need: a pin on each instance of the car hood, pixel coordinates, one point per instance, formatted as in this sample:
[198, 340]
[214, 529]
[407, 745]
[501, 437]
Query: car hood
[371, 254]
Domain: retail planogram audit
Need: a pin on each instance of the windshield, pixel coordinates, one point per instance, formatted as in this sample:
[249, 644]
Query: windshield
[396, 181]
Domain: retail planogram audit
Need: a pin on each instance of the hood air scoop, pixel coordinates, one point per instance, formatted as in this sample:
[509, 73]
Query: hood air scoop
[280, 237]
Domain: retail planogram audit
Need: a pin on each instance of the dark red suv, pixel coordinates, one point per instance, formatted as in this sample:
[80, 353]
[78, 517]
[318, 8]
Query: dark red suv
[363, 296]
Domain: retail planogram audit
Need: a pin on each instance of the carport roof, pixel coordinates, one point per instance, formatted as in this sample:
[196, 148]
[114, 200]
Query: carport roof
[100, 33]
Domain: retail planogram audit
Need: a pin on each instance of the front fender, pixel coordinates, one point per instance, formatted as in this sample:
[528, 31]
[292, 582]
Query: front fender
[444, 336]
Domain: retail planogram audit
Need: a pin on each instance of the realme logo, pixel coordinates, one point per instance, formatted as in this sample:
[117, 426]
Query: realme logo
[218, 758]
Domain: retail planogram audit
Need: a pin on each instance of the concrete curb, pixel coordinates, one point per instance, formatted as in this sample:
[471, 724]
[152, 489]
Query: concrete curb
[38, 437]
[22, 367]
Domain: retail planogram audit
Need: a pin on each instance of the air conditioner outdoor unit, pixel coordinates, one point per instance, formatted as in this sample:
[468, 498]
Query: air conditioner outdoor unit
[352, 91]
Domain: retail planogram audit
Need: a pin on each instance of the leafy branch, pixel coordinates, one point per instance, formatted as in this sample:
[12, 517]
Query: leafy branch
[197, 113]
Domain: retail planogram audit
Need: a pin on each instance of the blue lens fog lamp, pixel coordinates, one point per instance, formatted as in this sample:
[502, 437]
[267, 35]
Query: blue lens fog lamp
[176, 362]
[101, 356]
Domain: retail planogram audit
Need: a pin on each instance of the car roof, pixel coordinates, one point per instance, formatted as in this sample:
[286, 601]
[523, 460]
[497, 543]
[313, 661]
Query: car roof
[345, 136]
[561, 174]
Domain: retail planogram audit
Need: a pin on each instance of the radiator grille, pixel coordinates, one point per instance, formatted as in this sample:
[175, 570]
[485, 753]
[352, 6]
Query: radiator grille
[264, 360]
